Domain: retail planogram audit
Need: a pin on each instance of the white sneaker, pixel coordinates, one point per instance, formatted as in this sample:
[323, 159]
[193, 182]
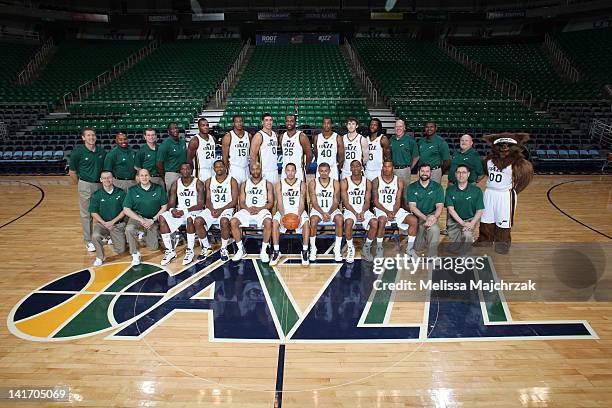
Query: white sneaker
[338, 255]
[263, 255]
[224, 255]
[169, 255]
[141, 235]
[98, 262]
[380, 252]
[313, 253]
[188, 256]
[90, 247]
[239, 255]
[136, 259]
[350, 254]
[366, 253]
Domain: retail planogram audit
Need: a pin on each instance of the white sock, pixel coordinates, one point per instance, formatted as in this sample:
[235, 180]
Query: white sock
[277, 247]
[204, 242]
[239, 245]
[224, 243]
[190, 241]
[379, 241]
[338, 243]
[349, 242]
[410, 242]
[368, 242]
[167, 241]
[304, 247]
[313, 242]
[264, 246]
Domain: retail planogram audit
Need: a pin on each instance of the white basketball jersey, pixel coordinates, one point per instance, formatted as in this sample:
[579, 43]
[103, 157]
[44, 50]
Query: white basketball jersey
[291, 196]
[268, 151]
[239, 149]
[325, 194]
[375, 158]
[356, 193]
[352, 151]
[292, 151]
[186, 196]
[220, 193]
[499, 179]
[327, 150]
[205, 155]
[256, 194]
[387, 192]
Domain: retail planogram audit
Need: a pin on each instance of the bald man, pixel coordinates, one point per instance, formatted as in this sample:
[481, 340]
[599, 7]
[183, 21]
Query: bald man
[404, 152]
[468, 156]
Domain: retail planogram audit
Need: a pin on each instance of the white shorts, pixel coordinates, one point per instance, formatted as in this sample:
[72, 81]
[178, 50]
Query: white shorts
[333, 174]
[303, 219]
[372, 174]
[209, 220]
[204, 174]
[246, 219]
[400, 216]
[271, 176]
[300, 174]
[240, 174]
[175, 223]
[499, 207]
[314, 212]
[367, 217]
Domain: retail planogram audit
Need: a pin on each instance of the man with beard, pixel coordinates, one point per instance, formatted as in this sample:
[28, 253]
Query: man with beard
[387, 190]
[378, 150]
[264, 149]
[433, 150]
[236, 146]
[329, 148]
[146, 157]
[120, 161]
[186, 200]
[171, 154]
[201, 151]
[295, 148]
[355, 147]
[425, 199]
[256, 201]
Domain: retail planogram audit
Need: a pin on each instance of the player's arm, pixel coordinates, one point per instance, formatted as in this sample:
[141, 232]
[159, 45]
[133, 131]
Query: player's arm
[208, 194]
[315, 151]
[336, 201]
[340, 154]
[368, 196]
[256, 142]
[445, 155]
[192, 148]
[365, 150]
[312, 193]
[172, 197]
[375, 199]
[200, 203]
[305, 142]
[303, 194]
[279, 199]
[344, 196]
[386, 148]
[242, 197]
[270, 199]
[225, 148]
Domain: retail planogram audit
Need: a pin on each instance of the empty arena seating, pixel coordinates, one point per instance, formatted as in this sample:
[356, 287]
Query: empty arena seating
[313, 78]
[14, 57]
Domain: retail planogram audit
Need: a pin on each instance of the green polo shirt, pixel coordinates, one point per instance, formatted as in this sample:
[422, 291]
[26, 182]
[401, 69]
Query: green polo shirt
[466, 202]
[433, 152]
[145, 158]
[425, 198]
[87, 164]
[403, 150]
[121, 162]
[145, 203]
[107, 205]
[172, 154]
[469, 158]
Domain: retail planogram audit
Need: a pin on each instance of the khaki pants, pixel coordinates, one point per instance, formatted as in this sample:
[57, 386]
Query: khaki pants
[117, 234]
[403, 174]
[158, 180]
[124, 184]
[170, 178]
[86, 190]
[151, 236]
[460, 241]
[436, 175]
[427, 236]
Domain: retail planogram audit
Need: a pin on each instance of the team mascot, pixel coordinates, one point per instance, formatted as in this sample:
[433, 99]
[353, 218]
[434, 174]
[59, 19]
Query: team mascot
[508, 173]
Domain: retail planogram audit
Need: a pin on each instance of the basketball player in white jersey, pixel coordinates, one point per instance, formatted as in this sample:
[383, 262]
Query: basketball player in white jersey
[387, 191]
[201, 151]
[295, 148]
[379, 150]
[355, 147]
[324, 194]
[356, 193]
[256, 201]
[235, 147]
[264, 149]
[290, 197]
[329, 148]
[221, 199]
[186, 200]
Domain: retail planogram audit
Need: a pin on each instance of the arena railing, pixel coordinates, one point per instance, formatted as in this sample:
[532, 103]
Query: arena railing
[361, 72]
[231, 74]
[601, 133]
[35, 62]
[558, 55]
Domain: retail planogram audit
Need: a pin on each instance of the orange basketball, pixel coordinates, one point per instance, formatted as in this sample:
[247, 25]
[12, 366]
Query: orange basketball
[291, 221]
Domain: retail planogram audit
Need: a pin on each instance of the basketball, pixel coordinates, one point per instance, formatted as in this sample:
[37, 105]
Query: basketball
[291, 221]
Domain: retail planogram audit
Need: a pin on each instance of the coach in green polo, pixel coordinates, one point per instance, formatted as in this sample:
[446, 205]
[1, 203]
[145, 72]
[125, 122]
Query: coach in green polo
[465, 205]
[146, 156]
[120, 161]
[469, 156]
[144, 203]
[404, 152]
[425, 199]
[106, 209]
[433, 150]
[170, 155]
[86, 162]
